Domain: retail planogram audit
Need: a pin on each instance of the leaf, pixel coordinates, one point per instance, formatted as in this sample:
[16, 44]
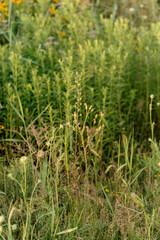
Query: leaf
[12, 140]
[67, 231]
[37, 117]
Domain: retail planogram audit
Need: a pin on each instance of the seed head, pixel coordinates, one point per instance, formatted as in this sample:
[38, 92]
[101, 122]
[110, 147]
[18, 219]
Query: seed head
[10, 176]
[151, 96]
[1, 219]
[23, 159]
[136, 199]
[14, 227]
[144, 17]
[131, 10]
[40, 154]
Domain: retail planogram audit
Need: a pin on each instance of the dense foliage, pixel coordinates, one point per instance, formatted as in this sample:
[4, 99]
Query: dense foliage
[79, 99]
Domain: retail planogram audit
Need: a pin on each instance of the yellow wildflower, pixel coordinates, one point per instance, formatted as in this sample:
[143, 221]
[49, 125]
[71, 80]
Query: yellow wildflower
[5, 4]
[123, 185]
[107, 190]
[6, 14]
[63, 33]
[31, 10]
[115, 195]
[52, 11]
[17, 1]
[56, 1]
[137, 48]
[1, 147]
[1, 127]
[63, 19]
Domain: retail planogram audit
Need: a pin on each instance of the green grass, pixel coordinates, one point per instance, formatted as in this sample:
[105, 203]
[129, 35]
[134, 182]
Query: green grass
[79, 123]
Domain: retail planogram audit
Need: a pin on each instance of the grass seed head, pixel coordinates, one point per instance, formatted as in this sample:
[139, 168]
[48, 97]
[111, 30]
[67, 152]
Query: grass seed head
[131, 10]
[10, 175]
[2, 219]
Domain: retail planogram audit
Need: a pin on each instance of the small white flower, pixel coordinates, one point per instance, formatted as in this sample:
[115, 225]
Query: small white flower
[151, 96]
[141, 6]
[14, 227]
[23, 159]
[131, 10]
[144, 17]
[158, 104]
[2, 219]
[61, 126]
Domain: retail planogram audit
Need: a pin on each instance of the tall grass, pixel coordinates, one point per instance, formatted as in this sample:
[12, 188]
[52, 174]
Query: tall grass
[112, 57]
[79, 100]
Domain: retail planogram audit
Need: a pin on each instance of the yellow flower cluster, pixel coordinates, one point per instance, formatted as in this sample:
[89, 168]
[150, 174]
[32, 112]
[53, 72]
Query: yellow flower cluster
[3, 11]
[17, 1]
[52, 11]
[63, 33]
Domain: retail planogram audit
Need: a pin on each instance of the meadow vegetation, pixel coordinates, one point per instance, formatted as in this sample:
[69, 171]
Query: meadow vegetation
[79, 120]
